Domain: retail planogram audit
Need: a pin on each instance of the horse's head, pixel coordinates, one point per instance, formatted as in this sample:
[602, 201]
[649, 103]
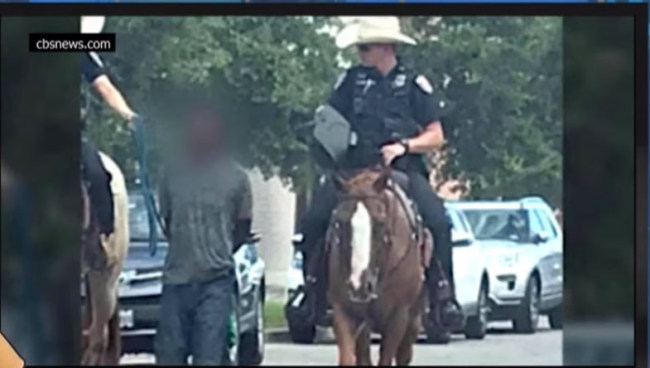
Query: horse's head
[359, 229]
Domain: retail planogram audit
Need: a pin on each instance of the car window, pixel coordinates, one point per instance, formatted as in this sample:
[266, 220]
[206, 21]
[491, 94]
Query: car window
[535, 223]
[546, 223]
[458, 221]
[499, 224]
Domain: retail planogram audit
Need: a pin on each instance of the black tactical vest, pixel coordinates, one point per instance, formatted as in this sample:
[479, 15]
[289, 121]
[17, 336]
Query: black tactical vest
[382, 113]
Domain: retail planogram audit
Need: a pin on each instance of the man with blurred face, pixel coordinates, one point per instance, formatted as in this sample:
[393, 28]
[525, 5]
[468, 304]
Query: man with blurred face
[206, 205]
[394, 111]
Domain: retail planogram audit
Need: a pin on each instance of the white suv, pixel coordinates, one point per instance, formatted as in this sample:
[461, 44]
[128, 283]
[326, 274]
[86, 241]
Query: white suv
[522, 243]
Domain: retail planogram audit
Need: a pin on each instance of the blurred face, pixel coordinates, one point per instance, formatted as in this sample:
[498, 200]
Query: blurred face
[204, 132]
[372, 54]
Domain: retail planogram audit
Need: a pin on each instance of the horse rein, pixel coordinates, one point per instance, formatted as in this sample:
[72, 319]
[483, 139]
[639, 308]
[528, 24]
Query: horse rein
[391, 218]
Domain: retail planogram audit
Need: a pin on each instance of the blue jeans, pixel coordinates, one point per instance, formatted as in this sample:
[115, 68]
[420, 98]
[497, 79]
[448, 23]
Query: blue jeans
[194, 322]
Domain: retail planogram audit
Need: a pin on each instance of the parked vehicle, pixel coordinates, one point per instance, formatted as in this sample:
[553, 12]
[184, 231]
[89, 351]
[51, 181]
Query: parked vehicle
[470, 277]
[522, 241]
[140, 290]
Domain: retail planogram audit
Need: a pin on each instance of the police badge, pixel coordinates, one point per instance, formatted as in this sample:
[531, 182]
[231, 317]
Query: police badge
[400, 80]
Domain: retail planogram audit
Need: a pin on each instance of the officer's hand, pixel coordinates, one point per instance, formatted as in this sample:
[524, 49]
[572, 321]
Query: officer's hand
[391, 152]
[130, 120]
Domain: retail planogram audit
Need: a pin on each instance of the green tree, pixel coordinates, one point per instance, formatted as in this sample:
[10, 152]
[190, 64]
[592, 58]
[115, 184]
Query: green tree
[499, 77]
[266, 74]
[500, 81]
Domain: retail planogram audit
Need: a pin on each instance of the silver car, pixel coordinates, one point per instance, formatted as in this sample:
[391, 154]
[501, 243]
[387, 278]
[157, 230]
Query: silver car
[522, 243]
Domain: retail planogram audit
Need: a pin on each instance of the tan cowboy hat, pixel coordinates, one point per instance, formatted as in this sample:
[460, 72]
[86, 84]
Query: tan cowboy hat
[92, 23]
[372, 30]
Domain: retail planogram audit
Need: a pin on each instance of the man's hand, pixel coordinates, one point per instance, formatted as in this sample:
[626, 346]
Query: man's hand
[392, 151]
[113, 97]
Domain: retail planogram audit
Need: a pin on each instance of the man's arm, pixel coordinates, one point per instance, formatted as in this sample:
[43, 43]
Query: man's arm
[430, 139]
[426, 108]
[342, 93]
[427, 114]
[113, 97]
[243, 213]
[95, 73]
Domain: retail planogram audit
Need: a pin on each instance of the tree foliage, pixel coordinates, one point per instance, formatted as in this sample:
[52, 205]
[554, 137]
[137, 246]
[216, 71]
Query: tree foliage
[499, 79]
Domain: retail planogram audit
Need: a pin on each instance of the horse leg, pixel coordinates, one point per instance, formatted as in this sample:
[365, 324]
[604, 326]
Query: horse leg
[86, 320]
[344, 330]
[405, 350]
[392, 335]
[104, 303]
[363, 347]
[114, 349]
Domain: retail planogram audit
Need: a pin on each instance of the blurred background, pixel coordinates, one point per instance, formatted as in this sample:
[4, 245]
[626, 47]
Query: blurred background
[40, 191]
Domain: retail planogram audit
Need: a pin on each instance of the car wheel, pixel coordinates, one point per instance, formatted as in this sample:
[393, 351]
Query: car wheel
[251, 345]
[476, 326]
[555, 317]
[528, 315]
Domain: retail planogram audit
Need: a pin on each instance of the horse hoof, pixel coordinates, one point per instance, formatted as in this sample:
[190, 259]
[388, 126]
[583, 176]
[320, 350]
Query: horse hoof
[90, 359]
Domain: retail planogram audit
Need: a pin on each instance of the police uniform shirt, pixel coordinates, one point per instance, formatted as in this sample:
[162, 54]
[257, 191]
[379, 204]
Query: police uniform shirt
[423, 101]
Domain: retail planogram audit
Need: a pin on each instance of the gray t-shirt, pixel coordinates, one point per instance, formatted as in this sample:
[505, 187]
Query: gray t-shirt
[202, 205]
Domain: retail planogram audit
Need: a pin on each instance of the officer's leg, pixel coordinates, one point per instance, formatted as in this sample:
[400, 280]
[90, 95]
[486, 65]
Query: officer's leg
[432, 209]
[99, 188]
[313, 224]
[313, 227]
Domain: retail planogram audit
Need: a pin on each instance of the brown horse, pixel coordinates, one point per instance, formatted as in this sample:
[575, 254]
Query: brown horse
[102, 260]
[378, 251]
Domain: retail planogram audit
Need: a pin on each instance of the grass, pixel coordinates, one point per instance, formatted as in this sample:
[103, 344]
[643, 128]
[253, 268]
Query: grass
[274, 314]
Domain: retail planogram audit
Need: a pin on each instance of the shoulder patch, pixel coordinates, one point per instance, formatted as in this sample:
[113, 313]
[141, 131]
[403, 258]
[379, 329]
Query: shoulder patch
[424, 84]
[340, 80]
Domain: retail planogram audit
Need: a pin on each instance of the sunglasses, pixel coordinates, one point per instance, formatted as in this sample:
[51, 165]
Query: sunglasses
[364, 47]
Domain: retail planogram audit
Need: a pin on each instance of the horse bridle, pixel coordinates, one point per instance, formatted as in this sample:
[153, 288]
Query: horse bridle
[385, 238]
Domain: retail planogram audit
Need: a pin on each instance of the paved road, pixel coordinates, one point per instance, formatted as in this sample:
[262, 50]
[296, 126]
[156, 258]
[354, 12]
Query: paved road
[500, 347]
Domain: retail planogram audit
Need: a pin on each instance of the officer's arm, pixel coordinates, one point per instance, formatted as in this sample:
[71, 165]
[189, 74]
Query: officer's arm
[431, 138]
[113, 97]
[95, 73]
[427, 114]
[343, 93]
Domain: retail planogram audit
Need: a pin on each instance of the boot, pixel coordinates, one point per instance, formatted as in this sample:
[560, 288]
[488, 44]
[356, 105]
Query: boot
[306, 308]
[442, 297]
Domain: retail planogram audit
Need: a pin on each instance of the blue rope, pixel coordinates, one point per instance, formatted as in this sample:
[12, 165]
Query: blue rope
[150, 203]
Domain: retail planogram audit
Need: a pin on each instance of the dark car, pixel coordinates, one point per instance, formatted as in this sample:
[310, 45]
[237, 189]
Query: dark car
[140, 288]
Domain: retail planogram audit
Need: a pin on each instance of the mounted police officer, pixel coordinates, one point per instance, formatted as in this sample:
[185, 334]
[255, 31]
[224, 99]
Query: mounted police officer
[382, 110]
[97, 178]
